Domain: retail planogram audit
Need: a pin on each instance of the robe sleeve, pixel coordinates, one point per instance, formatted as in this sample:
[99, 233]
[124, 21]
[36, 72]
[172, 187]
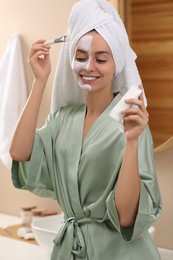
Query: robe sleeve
[150, 204]
[36, 175]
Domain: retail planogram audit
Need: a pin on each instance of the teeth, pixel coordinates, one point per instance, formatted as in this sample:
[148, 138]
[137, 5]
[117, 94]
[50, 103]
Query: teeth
[89, 78]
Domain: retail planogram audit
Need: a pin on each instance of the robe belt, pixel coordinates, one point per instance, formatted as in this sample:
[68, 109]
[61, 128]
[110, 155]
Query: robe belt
[70, 239]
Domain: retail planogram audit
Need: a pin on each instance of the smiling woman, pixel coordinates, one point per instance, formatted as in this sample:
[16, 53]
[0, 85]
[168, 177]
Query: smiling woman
[80, 158]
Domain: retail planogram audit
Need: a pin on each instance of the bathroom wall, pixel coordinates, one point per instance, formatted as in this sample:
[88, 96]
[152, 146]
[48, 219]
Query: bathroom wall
[32, 20]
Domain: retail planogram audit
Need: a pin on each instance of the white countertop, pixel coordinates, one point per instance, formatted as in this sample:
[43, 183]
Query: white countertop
[12, 249]
[9, 220]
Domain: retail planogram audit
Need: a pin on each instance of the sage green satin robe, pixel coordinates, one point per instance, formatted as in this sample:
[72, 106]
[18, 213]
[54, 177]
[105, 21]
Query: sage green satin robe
[82, 176]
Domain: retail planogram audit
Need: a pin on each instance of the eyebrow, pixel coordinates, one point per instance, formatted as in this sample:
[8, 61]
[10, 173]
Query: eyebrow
[98, 52]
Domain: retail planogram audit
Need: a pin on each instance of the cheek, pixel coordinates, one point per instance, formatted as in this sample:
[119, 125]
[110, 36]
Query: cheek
[79, 66]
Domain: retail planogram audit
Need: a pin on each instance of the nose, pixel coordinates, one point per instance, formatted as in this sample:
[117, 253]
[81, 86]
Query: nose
[90, 66]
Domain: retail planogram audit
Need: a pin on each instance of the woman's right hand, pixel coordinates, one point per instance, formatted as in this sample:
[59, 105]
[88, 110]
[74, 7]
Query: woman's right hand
[39, 60]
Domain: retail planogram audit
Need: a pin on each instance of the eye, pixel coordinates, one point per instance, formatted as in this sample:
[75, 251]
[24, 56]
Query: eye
[101, 60]
[80, 59]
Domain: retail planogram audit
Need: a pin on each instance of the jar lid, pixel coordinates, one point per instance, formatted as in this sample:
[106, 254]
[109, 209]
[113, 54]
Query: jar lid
[28, 207]
[49, 213]
[38, 212]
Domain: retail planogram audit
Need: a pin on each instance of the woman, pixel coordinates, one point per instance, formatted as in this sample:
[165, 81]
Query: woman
[103, 179]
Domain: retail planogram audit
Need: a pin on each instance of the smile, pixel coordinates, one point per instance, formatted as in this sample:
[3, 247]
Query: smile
[89, 78]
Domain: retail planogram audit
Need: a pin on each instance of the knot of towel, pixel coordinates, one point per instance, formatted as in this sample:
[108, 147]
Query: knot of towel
[99, 15]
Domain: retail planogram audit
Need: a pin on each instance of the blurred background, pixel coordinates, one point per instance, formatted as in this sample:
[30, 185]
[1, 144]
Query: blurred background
[150, 27]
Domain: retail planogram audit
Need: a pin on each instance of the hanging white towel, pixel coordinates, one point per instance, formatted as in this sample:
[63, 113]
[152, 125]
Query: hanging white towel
[13, 94]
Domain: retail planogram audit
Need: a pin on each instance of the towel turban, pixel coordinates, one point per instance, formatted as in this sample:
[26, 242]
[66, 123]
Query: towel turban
[99, 15]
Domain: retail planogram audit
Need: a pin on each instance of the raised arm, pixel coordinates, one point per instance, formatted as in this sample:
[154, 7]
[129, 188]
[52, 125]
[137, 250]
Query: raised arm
[128, 186]
[23, 138]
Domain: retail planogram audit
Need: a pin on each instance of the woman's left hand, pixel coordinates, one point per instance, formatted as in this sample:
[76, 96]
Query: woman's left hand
[135, 118]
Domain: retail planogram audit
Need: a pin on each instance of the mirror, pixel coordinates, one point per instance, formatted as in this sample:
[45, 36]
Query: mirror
[150, 27]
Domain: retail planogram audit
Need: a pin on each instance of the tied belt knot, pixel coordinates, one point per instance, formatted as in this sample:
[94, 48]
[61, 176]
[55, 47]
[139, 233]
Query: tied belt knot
[70, 238]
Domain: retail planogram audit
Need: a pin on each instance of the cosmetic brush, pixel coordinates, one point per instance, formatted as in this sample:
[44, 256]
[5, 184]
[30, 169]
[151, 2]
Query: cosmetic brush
[58, 40]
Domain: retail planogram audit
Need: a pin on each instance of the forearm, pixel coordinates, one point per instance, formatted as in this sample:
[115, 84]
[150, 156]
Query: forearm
[128, 185]
[23, 138]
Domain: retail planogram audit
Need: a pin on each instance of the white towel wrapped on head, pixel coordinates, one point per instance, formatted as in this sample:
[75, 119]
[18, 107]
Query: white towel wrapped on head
[99, 15]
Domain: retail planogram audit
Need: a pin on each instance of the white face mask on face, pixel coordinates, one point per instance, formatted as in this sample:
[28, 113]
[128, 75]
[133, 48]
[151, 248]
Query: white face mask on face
[85, 43]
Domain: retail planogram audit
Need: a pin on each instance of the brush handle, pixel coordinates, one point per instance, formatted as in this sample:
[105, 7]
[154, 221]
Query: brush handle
[50, 42]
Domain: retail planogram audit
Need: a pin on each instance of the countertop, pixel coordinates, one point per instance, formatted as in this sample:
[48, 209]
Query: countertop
[12, 249]
[8, 220]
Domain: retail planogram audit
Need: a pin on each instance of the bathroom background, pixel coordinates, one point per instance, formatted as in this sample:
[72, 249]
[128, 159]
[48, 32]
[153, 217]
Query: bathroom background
[150, 27]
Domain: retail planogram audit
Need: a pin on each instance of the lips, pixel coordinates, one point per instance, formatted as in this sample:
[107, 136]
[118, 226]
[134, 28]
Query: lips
[88, 79]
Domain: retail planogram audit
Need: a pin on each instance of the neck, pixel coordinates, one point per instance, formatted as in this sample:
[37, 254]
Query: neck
[97, 102]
